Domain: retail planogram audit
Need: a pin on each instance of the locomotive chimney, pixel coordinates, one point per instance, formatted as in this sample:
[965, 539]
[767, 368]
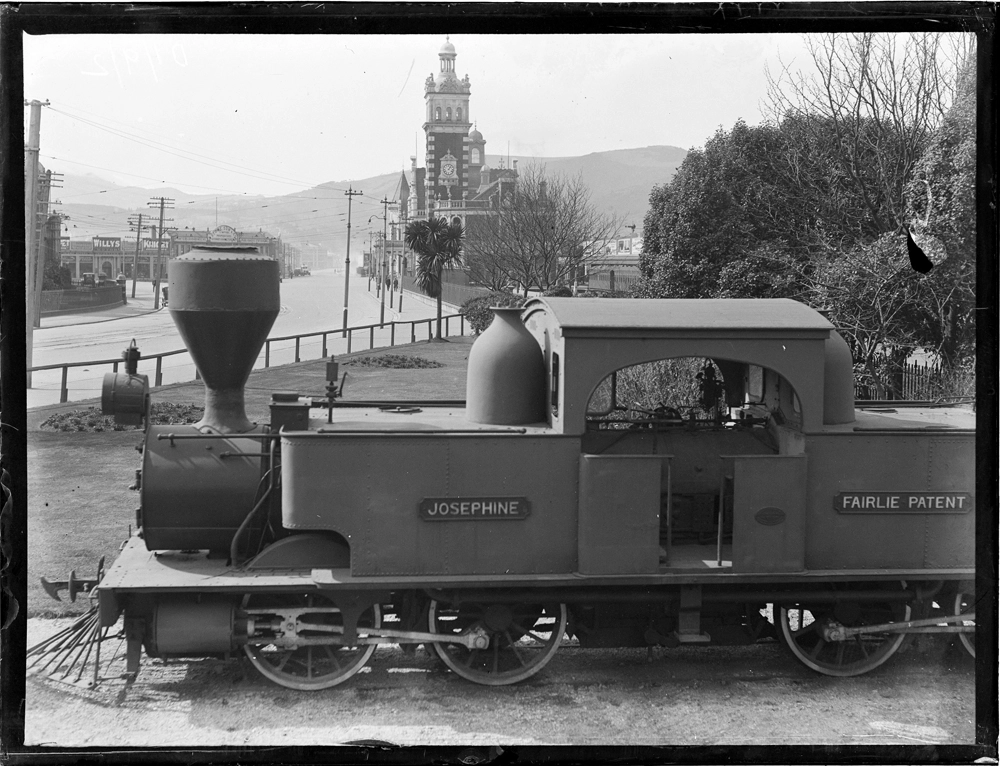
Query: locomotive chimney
[224, 301]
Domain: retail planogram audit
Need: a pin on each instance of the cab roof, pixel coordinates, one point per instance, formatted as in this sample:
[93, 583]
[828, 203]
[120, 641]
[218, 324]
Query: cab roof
[713, 315]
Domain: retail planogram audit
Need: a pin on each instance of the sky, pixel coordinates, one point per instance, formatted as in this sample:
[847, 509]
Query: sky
[274, 114]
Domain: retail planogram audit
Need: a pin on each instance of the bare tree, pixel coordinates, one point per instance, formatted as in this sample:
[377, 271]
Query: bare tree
[868, 106]
[540, 236]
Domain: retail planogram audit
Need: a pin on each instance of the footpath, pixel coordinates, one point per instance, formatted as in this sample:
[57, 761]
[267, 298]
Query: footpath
[142, 303]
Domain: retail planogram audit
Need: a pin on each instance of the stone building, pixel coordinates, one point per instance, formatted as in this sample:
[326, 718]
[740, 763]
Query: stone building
[455, 182]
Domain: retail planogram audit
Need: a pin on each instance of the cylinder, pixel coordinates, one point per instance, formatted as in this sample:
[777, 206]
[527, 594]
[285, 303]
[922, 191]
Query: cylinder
[184, 627]
[506, 374]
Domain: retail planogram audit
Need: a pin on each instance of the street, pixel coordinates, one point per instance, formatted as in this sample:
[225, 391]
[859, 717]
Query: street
[308, 304]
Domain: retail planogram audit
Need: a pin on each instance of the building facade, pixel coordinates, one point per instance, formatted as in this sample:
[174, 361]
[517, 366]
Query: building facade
[112, 256]
[184, 240]
[455, 182]
[617, 270]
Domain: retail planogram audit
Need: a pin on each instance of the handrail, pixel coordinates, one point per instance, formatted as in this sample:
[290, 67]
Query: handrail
[266, 349]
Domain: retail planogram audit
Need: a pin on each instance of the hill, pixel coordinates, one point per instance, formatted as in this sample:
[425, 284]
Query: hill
[620, 182]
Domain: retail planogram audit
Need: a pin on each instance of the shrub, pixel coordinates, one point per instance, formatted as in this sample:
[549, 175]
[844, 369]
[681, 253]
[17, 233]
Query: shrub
[394, 361]
[92, 419]
[477, 310]
[559, 291]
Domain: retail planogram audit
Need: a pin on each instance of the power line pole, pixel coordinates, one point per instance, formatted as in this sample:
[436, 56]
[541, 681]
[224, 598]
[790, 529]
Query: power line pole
[31, 248]
[385, 256]
[136, 225]
[368, 265]
[163, 202]
[347, 259]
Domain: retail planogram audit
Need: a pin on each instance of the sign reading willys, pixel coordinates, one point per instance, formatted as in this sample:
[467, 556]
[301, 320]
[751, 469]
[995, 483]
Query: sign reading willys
[903, 502]
[473, 508]
[108, 243]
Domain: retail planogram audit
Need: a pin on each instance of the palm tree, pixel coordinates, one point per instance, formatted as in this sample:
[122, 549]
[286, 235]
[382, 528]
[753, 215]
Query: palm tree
[437, 244]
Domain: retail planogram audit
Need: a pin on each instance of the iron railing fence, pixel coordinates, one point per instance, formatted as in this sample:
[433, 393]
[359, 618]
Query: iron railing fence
[285, 349]
[620, 280]
[911, 381]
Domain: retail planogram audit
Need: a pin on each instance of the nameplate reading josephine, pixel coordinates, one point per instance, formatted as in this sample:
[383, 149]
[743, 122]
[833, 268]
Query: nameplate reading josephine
[903, 502]
[474, 508]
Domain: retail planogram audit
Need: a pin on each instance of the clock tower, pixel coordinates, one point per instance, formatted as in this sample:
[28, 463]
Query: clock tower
[446, 128]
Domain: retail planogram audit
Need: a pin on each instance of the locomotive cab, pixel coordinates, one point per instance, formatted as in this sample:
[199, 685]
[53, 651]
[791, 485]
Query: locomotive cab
[691, 416]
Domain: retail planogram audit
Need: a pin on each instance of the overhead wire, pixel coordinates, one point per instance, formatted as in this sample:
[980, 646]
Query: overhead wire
[206, 159]
[95, 222]
[186, 153]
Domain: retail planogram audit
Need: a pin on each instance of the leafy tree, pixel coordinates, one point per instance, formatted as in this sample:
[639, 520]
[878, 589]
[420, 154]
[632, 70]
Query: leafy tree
[942, 214]
[437, 244]
[879, 140]
[478, 312]
[540, 236]
[722, 227]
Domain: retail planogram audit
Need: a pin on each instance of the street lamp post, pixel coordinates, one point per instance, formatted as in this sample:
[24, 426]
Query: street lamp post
[351, 194]
[382, 279]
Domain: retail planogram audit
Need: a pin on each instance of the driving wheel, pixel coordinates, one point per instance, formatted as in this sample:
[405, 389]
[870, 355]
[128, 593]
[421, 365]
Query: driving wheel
[296, 640]
[802, 628]
[965, 602]
[522, 639]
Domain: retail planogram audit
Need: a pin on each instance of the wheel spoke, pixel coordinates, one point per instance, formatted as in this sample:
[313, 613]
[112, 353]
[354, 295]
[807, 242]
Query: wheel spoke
[860, 642]
[817, 648]
[513, 648]
[332, 653]
[535, 636]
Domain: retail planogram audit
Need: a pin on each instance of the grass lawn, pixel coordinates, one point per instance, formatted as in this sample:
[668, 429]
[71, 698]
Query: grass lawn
[79, 504]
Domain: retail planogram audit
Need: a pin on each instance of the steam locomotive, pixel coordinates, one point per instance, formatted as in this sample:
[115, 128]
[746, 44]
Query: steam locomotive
[544, 508]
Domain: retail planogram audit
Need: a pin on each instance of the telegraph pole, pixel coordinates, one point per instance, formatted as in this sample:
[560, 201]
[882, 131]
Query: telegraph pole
[46, 182]
[138, 241]
[390, 256]
[385, 256]
[370, 258]
[347, 259]
[162, 202]
[31, 248]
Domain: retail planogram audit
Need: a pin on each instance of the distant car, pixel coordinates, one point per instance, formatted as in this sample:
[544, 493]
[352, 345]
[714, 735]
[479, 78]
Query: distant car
[301, 271]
